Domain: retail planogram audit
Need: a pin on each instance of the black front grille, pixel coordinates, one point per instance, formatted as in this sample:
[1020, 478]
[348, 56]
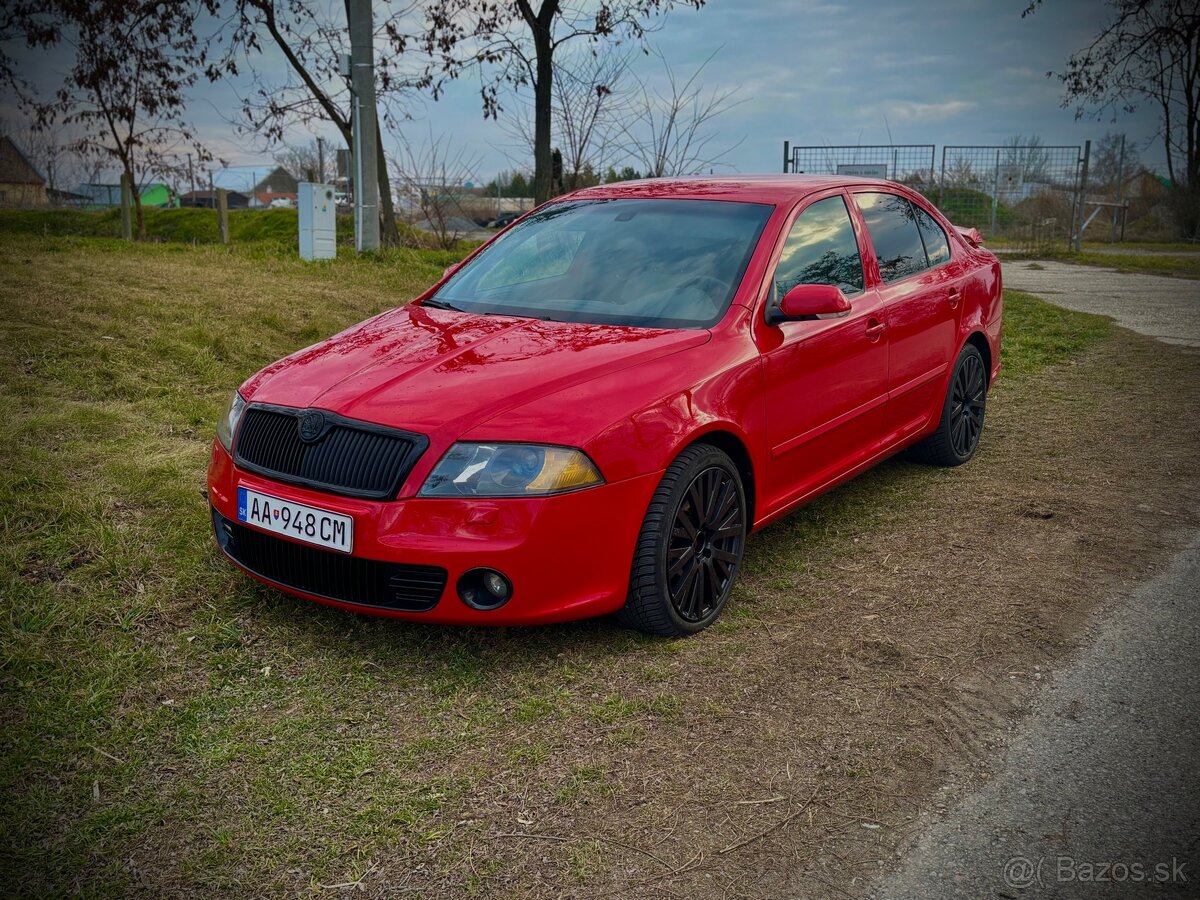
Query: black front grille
[358, 459]
[326, 573]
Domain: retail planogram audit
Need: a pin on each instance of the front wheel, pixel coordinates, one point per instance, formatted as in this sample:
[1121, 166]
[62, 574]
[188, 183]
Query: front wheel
[690, 546]
[957, 436]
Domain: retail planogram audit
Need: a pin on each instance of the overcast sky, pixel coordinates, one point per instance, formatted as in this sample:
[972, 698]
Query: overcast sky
[816, 72]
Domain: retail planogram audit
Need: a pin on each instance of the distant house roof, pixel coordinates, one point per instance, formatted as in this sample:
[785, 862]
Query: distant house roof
[255, 179]
[14, 167]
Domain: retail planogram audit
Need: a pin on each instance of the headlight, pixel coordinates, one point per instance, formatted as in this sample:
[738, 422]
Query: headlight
[510, 470]
[227, 424]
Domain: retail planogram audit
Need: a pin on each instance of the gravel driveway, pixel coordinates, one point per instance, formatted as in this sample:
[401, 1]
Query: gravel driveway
[1154, 305]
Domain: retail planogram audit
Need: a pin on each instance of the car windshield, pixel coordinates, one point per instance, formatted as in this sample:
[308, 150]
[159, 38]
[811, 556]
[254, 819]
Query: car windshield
[638, 262]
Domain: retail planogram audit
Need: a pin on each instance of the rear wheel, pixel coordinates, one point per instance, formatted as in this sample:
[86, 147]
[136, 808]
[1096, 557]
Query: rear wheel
[690, 546]
[961, 425]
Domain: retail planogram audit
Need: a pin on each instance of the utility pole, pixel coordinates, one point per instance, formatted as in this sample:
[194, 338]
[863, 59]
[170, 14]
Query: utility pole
[366, 137]
[321, 160]
[192, 177]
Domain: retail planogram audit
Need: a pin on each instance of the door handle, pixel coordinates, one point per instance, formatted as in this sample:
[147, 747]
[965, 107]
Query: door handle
[874, 329]
[953, 296]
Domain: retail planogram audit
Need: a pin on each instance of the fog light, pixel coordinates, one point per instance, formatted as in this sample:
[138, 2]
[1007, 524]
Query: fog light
[484, 589]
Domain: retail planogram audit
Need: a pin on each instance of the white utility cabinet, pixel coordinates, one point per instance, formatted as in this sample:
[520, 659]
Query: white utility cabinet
[318, 221]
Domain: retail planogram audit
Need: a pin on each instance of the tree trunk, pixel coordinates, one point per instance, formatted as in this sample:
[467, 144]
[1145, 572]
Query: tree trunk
[389, 234]
[543, 94]
[136, 196]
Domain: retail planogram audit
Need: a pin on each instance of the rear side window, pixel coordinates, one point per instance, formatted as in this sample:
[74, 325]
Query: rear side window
[892, 224]
[937, 245]
[821, 249]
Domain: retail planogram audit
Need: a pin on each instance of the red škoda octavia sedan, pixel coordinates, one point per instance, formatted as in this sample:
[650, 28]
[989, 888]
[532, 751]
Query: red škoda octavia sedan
[592, 412]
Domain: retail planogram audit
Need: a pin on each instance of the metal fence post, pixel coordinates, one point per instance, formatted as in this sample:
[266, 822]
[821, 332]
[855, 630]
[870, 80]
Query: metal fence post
[1087, 153]
[223, 215]
[995, 196]
[1112, 234]
[787, 150]
[941, 182]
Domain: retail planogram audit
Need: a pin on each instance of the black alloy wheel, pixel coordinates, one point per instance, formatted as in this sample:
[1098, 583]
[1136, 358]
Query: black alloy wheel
[706, 544]
[690, 547]
[963, 412]
[967, 396]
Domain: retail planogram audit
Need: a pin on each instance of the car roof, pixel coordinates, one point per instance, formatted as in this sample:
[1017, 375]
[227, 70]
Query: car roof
[746, 188]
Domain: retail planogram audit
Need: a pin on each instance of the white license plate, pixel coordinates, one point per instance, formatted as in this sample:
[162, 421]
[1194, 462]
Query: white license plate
[296, 520]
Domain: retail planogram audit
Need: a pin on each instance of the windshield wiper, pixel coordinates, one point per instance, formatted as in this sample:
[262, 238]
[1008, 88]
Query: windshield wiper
[442, 304]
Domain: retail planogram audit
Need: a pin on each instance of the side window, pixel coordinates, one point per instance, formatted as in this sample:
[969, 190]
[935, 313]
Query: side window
[821, 249]
[937, 245]
[892, 224]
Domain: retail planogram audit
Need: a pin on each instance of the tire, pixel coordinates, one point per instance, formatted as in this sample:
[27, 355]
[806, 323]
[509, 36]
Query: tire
[690, 548]
[963, 411]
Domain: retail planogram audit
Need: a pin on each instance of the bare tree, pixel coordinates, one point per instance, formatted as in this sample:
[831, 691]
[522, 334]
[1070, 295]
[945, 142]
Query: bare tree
[1109, 161]
[961, 174]
[590, 102]
[432, 176]
[1148, 51]
[515, 44]
[122, 97]
[1027, 157]
[47, 150]
[312, 90]
[303, 160]
[670, 131]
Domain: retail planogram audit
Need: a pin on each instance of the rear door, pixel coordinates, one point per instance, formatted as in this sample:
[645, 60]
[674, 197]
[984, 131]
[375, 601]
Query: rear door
[826, 379]
[919, 285]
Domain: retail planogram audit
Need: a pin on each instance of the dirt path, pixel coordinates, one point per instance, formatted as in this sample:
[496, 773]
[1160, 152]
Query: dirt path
[1153, 305]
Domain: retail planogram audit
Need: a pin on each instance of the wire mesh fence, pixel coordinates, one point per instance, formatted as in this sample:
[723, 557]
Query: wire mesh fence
[911, 164]
[1019, 196]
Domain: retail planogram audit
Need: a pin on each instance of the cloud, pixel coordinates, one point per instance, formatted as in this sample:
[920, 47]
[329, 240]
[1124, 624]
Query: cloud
[907, 111]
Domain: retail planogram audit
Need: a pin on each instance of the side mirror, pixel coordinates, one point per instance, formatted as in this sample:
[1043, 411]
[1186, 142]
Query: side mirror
[808, 301]
[451, 269]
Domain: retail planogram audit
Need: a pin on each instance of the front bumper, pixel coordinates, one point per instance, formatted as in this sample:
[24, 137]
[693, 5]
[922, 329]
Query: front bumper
[568, 557]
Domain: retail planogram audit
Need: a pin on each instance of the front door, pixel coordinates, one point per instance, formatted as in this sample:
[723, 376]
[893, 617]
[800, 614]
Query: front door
[826, 379]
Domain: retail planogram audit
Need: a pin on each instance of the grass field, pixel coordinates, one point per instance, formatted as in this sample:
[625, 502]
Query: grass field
[1146, 246]
[277, 228]
[171, 726]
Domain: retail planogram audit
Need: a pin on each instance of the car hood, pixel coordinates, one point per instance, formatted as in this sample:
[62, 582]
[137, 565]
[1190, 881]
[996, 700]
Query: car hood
[431, 370]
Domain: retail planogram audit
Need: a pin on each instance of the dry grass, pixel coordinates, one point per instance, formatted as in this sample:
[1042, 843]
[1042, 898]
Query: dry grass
[171, 728]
